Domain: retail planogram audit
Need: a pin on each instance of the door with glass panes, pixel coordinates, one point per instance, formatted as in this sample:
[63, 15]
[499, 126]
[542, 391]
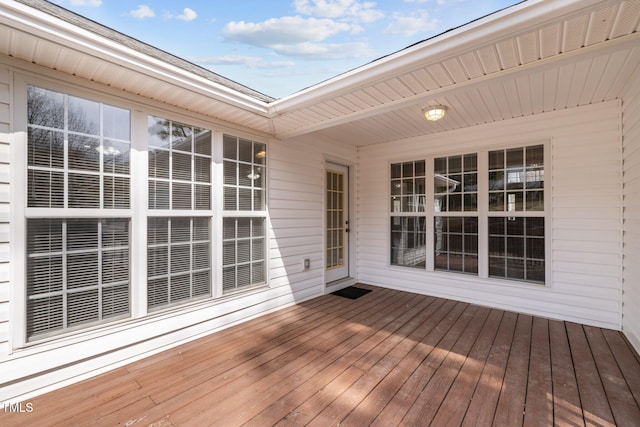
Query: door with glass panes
[337, 222]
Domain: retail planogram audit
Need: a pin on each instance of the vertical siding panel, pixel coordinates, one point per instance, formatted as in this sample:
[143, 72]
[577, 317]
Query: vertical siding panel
[4, 205]
[586, 215]
[631, 271]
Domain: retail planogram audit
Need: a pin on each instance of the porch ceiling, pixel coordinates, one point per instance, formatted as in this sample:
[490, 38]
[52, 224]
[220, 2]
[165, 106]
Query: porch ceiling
[531, 58]
[536, 56]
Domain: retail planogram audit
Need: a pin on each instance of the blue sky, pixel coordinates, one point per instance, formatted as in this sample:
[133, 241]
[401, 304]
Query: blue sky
[279, 47]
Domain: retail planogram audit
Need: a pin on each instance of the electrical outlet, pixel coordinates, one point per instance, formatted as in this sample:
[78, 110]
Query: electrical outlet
[306, 263]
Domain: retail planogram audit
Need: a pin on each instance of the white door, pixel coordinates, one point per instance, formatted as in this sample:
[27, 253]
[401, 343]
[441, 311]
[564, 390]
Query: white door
[337, 222]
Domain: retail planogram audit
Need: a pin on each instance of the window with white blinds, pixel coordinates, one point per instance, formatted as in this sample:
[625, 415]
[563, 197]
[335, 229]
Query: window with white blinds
[244, 238]
[179, 166]
[78, 152]
[77, 273]
[78, 162]
[178, 260]
[178, 248]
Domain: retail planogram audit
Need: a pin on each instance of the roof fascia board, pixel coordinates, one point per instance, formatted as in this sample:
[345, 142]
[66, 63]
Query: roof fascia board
[502, 24]
[48, 27]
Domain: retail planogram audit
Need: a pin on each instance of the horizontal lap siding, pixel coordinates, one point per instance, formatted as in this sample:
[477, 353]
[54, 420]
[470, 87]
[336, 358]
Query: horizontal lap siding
[296, 211]
[586, 216]
[4, 209]
[631, 272]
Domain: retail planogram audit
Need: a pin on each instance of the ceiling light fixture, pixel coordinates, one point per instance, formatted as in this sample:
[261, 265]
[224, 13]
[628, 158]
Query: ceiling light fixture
[434, 113]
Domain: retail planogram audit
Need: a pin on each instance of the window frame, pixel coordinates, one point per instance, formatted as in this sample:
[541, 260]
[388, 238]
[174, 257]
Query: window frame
[136, 213]
[482, 213]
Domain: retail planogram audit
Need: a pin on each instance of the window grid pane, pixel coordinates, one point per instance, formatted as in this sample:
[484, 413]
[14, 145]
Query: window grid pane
[243, 253]
[408, 186]
[244, 174]
[77, 274]
[63, 129]
[179, 165]
[456, 183]
[516, 179]
[408, 241]
[517, 248]
[178, 260]
[456, 244]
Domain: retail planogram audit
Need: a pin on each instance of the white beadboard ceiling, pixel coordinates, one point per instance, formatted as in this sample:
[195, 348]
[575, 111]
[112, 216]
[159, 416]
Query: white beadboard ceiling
[536, 56]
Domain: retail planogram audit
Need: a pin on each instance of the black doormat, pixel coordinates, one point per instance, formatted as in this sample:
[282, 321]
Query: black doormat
[351, 292]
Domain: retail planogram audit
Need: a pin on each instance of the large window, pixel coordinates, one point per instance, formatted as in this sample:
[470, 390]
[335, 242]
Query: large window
[506, 212]
[91, 198]
[78, 259]
[179, 247]
[244, 214]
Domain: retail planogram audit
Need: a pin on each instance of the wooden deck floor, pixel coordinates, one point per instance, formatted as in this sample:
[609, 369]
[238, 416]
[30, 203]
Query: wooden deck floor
[388, 358]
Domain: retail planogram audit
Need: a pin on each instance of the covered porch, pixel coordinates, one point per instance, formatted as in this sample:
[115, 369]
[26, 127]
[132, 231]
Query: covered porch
[386, 358]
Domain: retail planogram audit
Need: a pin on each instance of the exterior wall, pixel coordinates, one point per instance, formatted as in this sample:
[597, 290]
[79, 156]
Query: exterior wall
[296, 210]
[584, 239]
[631, 272]
[295, 191]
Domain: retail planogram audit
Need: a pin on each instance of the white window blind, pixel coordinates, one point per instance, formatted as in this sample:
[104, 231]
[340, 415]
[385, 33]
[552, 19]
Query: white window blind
[179, 166]
[77, 268]
[244, 241]
[77, 273]
[178, 260]
[78, 152]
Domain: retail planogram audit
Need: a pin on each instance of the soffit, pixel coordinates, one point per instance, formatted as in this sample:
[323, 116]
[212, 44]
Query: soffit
[575, 56]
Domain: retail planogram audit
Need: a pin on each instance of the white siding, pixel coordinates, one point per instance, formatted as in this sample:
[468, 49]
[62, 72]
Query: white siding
[295, 191]
[5, 165]
[631, 272]
[296, 210]
[586, 216]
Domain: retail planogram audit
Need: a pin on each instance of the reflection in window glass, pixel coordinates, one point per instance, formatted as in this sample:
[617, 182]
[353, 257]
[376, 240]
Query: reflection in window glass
[517, 248]
[456, 183]
[179, 165]
[244, 174]
[456, 244]
[67, 130]
[408, 187]
[516, 179]
[408, 241]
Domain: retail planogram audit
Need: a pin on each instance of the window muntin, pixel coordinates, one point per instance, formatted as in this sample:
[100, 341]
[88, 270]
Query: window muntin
[179, 165]
[408, 241]
[517, 248]
[178, 260]
[243, 262]
[244, 174]
[408, 189]
[516, 179]
[77, 152]
[456, 243]
[244, 200]
[78, 273]
[456, 183]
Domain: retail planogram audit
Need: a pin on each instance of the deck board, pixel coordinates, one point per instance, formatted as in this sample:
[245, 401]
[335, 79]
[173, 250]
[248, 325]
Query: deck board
[388, 358]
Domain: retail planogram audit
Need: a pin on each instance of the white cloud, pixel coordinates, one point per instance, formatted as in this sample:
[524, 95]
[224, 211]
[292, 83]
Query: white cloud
[242, 60]
[283, 31]
[411, 24]
[143, 11]
[325, 51]
[187, 15]
[339, 9]
[93, 3]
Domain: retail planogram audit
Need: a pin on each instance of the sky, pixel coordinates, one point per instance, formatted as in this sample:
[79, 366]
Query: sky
[279, 47]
